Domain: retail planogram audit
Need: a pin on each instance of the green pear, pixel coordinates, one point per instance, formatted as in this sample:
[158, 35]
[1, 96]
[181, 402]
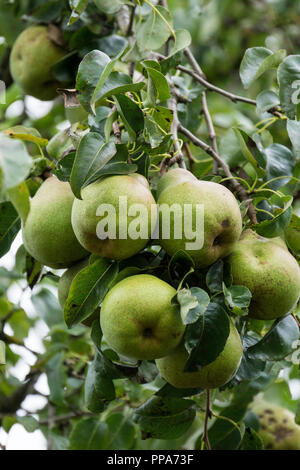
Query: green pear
[107, 191]
[269, 271]
[138, 319]
[175, 176]
[32, 56]
[222, 218]
[213, 375]
[64, 285]
[47, 231]
[277, 427]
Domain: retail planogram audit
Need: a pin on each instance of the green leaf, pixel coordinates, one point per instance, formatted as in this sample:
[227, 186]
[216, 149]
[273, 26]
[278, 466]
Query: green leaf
[276, 226]
[251, 441]
[278, 342]
[78, 7]
[168, 391]
[10, 225]
[26, 134]
[226, 434]
[158, 87]
[89, 434]
[8, 422]
[88, 289]
[165, 418]
[103, 77]
[47, 307]
[20, 324]
[193, 303]
[206, 338]
[293, 130]
[109, 6]
[15, 162]
[121, 432]
[257, 161]
[90, 69]
[2, 352]
[214, 277]
[280, 162]
[57, 376]
[98, 388]
[182, 40]
[20, 198]
[116, 84]
[28, 422]
[256, 61]
[155, 31]
[266, 100]
[289, 84]
[116, 433]
[131, 114]
[92, 154]
[237, 299]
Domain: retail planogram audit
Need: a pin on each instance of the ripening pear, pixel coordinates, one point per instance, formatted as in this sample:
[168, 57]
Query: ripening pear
[107, 220]
[277, 427]
[47, 231]
[213, 375]
[270, 272]
[64, 285]
[31, 59]
[218, 226]
[173, 177]
[138, 319]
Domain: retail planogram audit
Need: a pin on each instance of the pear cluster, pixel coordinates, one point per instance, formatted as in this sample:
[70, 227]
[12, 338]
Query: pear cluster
[139, 317]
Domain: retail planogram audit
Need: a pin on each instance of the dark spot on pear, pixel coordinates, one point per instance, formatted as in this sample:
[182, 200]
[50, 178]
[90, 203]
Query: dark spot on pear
[216, 241]
[147, 333]
[225, 223]
[270, 412]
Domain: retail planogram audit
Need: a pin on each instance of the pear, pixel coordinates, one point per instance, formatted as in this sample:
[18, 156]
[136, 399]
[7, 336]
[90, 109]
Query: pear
[175, 176]
[138, 319]
[277, 427]
[269, 271]
[222, 217]
[32, 56]
[47, 231]
[107, 191]
[64, 285]
[213, 375]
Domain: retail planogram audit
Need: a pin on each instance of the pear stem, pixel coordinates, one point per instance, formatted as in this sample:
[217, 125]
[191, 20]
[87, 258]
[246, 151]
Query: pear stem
[207, 417]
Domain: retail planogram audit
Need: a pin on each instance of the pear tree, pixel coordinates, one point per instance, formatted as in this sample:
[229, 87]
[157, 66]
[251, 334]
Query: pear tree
[150, 224]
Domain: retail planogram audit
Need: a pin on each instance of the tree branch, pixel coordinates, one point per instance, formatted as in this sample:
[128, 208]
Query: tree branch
[179, 157]
[209, 86]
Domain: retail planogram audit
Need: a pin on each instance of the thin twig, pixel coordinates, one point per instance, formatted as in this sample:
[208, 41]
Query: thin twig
[130, 25]
[209, 86]
[117, 132]
[189, 155]
[207, 417]
[211, 129]
[178, 157]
